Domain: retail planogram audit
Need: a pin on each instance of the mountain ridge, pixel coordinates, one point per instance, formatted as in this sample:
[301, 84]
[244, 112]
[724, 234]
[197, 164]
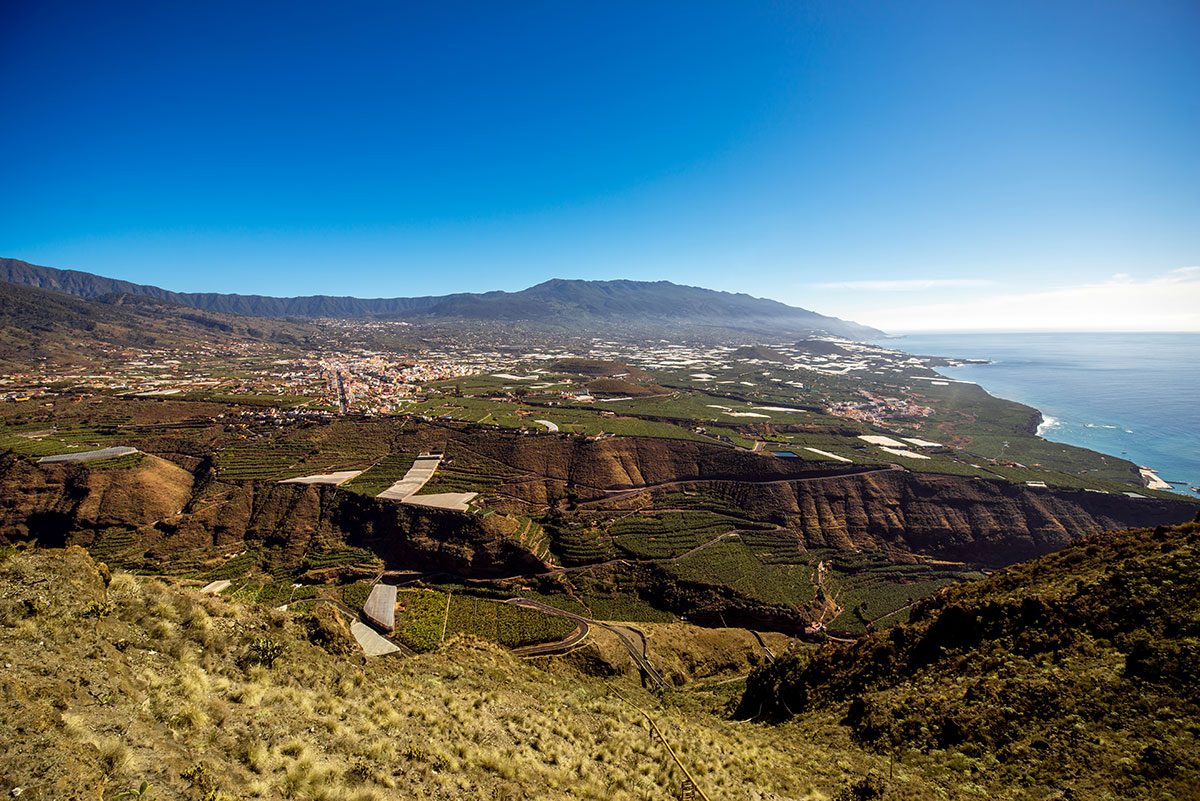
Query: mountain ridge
[43, 324]
[561, 302]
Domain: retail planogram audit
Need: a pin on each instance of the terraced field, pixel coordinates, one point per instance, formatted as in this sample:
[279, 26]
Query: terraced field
[381, 475]
[533, 538]
[733, 563]
[271, 592]
[868, 587]
[112, 544]
[465, 471]
[341, 557]
[700, 502]
[664, 535]
[37, 440]
[583, 544]
[233, 568]
[776, 547]
[261, 461]
[513, 626]
[623, 607]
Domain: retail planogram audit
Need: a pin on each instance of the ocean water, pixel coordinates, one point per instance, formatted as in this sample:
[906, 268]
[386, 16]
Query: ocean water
[1131, 395]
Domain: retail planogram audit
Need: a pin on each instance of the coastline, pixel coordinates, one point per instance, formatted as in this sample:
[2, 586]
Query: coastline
[1045, 423]
[1126, 396]
[1150, 477]
[1152, 480]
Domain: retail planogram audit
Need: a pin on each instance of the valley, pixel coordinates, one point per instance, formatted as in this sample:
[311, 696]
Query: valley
[815, 487]
[588, 525]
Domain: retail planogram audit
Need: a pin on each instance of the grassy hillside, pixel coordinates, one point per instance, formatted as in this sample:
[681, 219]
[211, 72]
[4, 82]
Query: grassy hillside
[1074, 673]
[1071, 676]
[112, 683]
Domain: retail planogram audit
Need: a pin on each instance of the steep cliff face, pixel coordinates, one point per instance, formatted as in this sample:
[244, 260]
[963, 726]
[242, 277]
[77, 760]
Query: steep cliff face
[174, 511]
[984, 522]
[981, 521]
[171, 512]
[547, 465]
[51, 502]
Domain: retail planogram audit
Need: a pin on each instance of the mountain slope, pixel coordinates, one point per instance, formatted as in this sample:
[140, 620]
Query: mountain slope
[111, 681]
[569, 304]
[1076, 671]
[39, 323]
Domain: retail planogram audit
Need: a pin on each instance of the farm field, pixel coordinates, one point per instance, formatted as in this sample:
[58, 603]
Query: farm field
[733, 563]
[381, 475]
[582, 543]
[423, 615]
[466, 471]
[578, 419]
[618, 556]
[868, 586]
[262, 461]
[667, 534]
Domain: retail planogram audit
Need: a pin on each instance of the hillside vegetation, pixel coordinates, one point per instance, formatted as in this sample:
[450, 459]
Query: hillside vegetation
[1071, 676]
[110, 682]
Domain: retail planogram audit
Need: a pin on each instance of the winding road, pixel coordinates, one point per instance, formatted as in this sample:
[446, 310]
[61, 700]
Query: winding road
[639, 658]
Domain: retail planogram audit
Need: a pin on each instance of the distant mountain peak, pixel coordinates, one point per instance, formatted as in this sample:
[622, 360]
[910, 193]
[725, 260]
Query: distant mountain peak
[564, 303]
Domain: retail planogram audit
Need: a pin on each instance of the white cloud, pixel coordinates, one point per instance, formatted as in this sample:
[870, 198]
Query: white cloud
[911, 285]
[1168, 302]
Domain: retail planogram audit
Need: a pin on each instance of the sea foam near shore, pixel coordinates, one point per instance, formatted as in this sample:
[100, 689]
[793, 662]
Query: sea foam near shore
[1129, 395]
[1047, 423]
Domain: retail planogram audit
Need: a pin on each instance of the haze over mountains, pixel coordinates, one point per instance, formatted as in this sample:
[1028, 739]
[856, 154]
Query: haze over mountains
[565, 303]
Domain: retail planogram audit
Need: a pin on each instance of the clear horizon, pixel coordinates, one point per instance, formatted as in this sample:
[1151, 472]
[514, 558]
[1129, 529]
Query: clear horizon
[937, 166]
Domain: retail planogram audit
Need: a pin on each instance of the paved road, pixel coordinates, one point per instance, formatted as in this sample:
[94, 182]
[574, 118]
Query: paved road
[639, 659]
[562, 646]
[763, 644]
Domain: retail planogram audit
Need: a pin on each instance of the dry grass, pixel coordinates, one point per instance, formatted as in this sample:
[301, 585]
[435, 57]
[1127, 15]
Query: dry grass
[466, 722]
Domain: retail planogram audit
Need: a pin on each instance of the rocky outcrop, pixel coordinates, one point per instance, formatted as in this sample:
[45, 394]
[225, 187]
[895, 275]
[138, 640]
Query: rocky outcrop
[51, 502]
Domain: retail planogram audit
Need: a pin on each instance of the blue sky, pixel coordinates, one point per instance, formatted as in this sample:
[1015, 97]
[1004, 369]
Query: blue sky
[909, 165]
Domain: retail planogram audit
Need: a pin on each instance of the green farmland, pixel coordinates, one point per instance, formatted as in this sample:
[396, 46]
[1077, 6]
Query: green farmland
[423, 615]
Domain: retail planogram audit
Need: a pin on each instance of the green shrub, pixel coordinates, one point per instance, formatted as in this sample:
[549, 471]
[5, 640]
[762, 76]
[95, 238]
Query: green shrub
[264, 651]
[98, 609]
